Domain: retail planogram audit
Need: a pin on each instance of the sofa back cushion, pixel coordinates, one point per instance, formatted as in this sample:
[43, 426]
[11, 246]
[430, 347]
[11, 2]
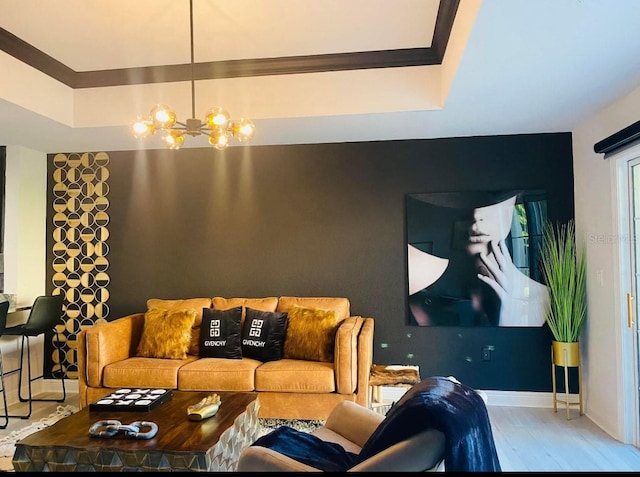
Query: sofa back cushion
[197, 304]
[262, 304]
[338, 304]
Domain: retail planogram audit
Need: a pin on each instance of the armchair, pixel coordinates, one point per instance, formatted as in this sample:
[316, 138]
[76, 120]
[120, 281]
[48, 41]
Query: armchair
[351, 425]
[438, 420]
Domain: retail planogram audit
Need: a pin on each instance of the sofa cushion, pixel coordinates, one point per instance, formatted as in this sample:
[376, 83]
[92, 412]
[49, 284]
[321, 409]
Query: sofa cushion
[310, 334]
[339, 304]
[143, 373]
[264, 304]
[220, 333]
[166, 334]
[263, 334]
[197, 304]
[220, 374]
[296, 376]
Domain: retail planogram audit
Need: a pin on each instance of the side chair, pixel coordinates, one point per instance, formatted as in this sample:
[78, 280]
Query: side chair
[44, 316]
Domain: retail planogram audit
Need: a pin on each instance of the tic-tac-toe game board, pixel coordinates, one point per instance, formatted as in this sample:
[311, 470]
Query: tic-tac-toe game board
[126, 399]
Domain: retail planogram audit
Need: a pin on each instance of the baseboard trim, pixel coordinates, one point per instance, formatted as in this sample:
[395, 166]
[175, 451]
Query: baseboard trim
[55, 386]
[495, 398]
[389, 393]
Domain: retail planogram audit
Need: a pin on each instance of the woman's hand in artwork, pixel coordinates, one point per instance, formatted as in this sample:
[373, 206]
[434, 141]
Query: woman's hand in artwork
[498, 271]
[523, 300]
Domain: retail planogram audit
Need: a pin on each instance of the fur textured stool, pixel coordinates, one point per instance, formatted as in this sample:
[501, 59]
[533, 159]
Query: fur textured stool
[393, 375]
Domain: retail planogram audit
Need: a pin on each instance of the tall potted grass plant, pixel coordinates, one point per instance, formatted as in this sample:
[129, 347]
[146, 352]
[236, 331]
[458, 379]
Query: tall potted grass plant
[564, 271]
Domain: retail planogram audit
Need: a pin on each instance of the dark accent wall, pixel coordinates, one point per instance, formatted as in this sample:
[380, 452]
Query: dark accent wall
[324, 220]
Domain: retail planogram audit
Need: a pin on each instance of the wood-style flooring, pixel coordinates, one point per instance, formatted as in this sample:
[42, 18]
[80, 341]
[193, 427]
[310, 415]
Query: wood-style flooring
[540, 440]
[527, 440]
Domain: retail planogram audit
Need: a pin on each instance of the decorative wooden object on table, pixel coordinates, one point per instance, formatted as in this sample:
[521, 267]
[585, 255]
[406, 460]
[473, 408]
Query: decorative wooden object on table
[180, 445]
[207, 407]
[393, 375]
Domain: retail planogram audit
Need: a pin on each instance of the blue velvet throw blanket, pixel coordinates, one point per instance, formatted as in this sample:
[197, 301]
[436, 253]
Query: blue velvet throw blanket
[434, 403]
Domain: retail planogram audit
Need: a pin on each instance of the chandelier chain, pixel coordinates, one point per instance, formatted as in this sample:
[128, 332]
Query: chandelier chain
[193, 82]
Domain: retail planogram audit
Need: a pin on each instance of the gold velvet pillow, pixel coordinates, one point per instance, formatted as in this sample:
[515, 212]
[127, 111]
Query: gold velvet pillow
[166, 333]
[310, 334]
[197, 304]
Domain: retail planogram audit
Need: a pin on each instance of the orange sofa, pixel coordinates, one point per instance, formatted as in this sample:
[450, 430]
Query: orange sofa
[288, 388]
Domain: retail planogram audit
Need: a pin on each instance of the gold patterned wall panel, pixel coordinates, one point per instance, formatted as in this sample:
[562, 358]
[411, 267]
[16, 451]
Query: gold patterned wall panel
[80, 252]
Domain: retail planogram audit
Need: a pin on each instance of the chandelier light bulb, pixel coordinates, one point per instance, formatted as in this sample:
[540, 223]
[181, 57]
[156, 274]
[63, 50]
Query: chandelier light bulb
[173, 139]
[217, 118]
[219, 139]
[243, 129]
[163, 117]
[142, 127]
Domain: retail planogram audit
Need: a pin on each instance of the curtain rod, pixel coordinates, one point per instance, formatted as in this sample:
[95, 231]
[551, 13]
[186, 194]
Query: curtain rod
[619, 139]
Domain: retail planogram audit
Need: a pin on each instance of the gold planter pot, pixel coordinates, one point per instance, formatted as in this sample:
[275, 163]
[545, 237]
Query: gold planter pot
[566, 355]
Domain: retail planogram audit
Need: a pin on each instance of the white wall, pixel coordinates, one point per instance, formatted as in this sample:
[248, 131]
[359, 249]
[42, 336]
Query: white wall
[596, 223]
[25, 223]
[24, 248]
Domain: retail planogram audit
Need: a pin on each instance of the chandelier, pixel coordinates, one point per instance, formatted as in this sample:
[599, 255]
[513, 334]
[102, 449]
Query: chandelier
[217, 123]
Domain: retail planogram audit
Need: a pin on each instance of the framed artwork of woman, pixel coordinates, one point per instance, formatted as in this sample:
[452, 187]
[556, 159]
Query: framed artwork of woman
[472, 258]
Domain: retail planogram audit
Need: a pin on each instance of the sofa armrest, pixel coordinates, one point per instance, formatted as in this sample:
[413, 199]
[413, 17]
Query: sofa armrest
[365, 361]
[263, 459]
[354, 422]
[346, 354]
[354, 356]
[106, 343]
[420, 453]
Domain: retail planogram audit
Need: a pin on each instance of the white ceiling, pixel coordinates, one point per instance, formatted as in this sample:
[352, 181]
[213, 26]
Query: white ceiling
[511, 67]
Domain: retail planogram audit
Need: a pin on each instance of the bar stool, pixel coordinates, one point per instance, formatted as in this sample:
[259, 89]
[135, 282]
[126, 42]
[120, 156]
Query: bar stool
[45, 314]
[4, 310]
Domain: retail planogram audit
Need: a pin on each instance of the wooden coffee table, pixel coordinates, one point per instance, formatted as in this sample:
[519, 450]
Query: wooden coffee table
[213, 444]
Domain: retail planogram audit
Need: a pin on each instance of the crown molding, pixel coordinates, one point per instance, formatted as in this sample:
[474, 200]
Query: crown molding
[398, 58]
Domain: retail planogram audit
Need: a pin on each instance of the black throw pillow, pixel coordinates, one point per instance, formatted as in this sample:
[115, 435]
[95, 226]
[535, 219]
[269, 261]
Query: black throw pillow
[220, 333]
[263, 334]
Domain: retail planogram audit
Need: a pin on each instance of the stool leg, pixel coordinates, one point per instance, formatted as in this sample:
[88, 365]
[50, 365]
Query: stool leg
[64, 390]
[32, 379]
[29, 399]
[376, 397]
[5, 416]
